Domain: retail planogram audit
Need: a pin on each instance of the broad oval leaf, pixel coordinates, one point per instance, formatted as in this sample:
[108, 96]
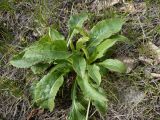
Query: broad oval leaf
[93, 71]
[101, 105]
[20, 62]
[92, 93]
[89, 90]
[55, 35]
[77, 20]
[43, 50]
[75, 25]
[47, 50]
[105, 45]
[114, 65]
[54, 89]
[79, 65]
[104, 29]
[47, 88]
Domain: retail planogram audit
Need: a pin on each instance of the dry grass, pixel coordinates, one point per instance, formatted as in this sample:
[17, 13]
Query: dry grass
[134, 96]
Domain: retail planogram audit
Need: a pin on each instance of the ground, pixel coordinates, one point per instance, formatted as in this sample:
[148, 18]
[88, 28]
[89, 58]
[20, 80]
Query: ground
[131, 96]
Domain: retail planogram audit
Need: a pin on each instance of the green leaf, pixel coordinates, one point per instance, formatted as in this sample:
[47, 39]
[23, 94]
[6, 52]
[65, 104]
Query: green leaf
[85, 51]
[101, 105]
[74, 91]
[79, 65]
[54, 89]
[89, 90]
[104, 29]
[20, 62]
[77, 112]
[47, 88]
[105, 45]
[60, 45]
[80, 42]
[82, 31]
[75, 25]
[39, 68]
[55, 35]
[114, 65]
[47, 50]
[44, 50]
[92, 93]
[77, 20]
[93, 71]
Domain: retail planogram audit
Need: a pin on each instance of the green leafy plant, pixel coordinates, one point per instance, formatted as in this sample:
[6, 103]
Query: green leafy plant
[57, 56]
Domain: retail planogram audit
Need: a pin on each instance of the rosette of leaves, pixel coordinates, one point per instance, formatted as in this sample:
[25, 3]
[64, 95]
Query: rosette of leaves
[83, 56]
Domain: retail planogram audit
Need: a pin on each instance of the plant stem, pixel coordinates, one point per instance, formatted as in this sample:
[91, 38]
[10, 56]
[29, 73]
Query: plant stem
[89, 103]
